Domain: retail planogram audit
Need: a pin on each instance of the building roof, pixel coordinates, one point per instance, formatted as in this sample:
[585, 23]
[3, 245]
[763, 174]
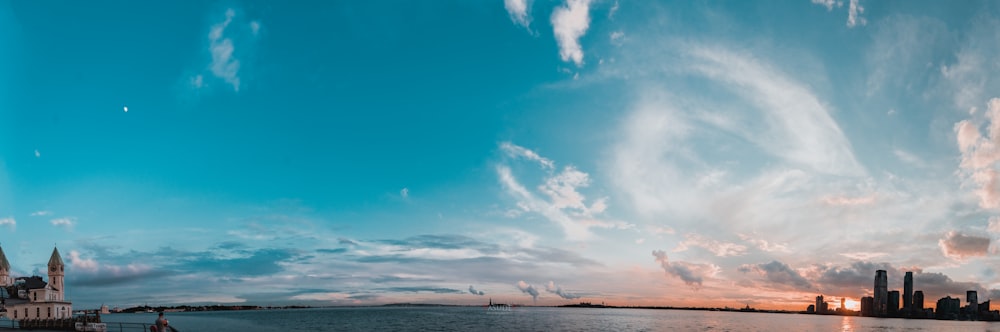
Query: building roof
[4, 264]
[33, 282]
[56, 260]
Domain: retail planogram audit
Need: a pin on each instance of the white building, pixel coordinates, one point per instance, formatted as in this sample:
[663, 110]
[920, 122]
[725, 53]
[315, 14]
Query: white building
[33, 298]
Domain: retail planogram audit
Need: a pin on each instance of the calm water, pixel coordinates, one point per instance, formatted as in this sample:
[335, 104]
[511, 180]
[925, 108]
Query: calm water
[531, 319]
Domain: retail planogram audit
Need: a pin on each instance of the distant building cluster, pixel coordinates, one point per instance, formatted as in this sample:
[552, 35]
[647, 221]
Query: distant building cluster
[886, 303]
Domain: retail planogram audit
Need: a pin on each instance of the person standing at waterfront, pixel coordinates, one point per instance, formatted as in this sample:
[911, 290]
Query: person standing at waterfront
[161, 323]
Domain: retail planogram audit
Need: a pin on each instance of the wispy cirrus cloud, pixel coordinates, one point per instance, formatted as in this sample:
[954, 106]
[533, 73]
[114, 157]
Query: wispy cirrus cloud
[516, 151]
[718, 248]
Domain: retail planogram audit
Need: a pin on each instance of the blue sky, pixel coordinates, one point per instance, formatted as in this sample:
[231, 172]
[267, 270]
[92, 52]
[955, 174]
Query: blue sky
[633, 152]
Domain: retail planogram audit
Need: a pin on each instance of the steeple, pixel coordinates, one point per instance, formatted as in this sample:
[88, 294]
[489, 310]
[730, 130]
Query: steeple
[4, 269]
[4, 264]
[56, 274]
[55, 260]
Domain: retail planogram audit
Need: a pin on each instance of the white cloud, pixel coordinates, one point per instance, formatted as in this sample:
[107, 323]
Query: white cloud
[764, 244]
[63, 222]
[197, 81]
[854, 12]
[41, 213]
[255, 27]
[565, 205]
[981, 155]
[224, 65]
[9, 222]
[528, 289]
[88, 265]
[519, 11]
[551, 287]
[616, 37]
[613, 10]
[994, 225]
[569, 23]
[828, 3]
[405, 193]
[37, 154]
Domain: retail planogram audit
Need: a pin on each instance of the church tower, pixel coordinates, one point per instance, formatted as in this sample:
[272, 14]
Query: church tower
[56, 268]
[4, 270]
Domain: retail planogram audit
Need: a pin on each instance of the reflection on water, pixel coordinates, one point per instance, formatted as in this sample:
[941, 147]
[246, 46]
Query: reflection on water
[846, 324]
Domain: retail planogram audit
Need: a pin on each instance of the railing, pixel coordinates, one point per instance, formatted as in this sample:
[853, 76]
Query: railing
[123, 327]
[9, 322]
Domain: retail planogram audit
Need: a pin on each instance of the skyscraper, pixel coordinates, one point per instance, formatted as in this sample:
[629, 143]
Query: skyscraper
[881, 293]
[819, 304]
[892, 304]
[973, 302]
[866, 306]
[908, 291]
[918, 301]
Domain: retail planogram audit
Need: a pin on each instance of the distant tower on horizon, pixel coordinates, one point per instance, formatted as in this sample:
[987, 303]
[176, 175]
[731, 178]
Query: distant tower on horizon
[918, 300]
[842, 301]
[881, 293]
[908, 291]
[819, 304]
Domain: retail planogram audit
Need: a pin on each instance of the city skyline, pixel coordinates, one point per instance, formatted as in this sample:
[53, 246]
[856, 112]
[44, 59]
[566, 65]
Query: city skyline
[633, 153]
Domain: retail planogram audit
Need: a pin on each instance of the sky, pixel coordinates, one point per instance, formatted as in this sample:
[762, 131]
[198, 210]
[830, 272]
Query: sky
[676, 153]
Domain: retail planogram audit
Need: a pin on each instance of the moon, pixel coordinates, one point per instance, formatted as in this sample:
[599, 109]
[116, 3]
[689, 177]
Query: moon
[125, 108]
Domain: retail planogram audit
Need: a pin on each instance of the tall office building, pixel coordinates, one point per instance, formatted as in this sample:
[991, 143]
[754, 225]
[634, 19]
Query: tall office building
[908, 291]
[866, 306]
[972, 304]
[819, 304]
[918, 301]
[881, 293]
[892, 304]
